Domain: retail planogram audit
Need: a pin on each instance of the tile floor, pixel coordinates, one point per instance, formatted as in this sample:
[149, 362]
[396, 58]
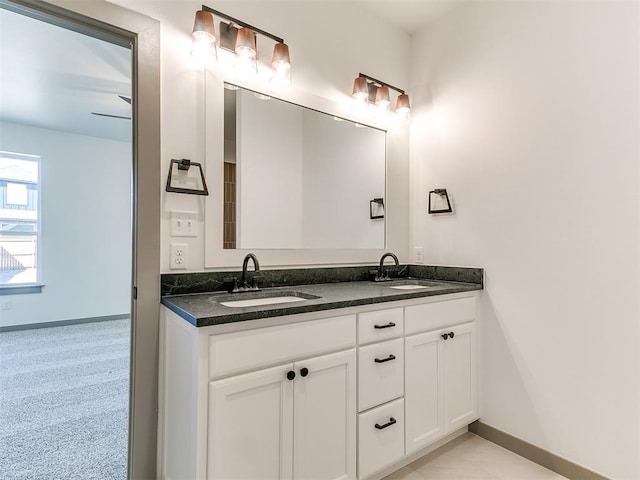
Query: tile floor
[474, 458]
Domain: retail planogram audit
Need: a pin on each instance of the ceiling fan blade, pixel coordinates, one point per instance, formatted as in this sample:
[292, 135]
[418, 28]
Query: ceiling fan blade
[126, 99]
[111, 116]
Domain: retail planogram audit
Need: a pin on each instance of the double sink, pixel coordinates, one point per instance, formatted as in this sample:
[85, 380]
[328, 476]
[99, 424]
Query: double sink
[260, 298]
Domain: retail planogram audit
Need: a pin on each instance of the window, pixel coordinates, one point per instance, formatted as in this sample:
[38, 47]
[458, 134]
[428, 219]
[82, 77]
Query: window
[19, 232]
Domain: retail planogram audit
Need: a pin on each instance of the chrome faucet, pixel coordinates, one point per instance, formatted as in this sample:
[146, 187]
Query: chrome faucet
[256, 267]
[382, 274]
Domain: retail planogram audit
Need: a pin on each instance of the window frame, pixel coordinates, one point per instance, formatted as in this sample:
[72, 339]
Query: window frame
[36, 286]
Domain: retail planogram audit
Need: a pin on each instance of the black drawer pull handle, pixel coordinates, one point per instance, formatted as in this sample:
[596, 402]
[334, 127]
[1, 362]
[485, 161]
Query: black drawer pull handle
[445, 336]
[388, 359]
[388, 325]
[392, 421]
[451, 335]
[304, 371]
[291, 375]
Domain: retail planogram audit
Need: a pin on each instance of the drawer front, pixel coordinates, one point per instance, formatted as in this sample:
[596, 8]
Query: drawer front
[380, 325]
[429, 316]
[380, 437]
[380, 373]
[238, 352]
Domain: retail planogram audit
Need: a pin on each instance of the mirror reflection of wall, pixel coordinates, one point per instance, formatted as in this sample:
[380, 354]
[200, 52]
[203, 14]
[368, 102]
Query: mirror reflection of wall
[297, 178]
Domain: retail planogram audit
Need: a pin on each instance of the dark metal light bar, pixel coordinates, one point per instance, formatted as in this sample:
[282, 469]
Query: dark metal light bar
[244, 24]
[379, 82]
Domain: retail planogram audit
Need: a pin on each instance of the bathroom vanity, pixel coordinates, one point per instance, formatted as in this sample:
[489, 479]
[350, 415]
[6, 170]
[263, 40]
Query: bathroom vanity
[351, 381]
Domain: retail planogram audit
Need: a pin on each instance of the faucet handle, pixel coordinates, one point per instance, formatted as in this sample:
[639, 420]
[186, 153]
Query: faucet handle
[254, 282]
[233, 284]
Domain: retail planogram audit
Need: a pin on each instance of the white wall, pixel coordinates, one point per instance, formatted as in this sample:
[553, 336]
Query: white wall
[343, 170]
[330, 42]
[85, 226]
[269, 172]
[527, 112]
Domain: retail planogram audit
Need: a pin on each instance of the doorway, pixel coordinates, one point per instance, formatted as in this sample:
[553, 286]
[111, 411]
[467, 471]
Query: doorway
[66, 243]
[90, 231]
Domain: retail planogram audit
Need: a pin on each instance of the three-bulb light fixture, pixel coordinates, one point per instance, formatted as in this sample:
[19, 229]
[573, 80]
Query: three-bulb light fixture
[239, 37]
[368, 91]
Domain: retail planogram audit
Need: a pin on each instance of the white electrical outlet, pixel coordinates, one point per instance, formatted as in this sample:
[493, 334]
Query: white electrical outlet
[184, 224]
[419, 255]
[179, 256]
[6, 304]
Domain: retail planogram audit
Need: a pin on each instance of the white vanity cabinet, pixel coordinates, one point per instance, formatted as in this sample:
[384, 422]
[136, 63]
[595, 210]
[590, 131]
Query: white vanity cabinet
[380, 389]
[292, 421]
[348, 394]
[277, 402]
[440, 370]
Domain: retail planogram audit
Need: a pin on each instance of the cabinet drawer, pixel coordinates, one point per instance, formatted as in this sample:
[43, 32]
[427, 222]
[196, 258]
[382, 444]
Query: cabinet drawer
[429, 316]
[380, 325]
[380, 437]
[380, 373]
[253, 349]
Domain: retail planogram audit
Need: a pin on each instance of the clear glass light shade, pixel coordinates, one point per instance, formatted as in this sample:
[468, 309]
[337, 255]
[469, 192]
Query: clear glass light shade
[246, 43]
[203, 28]
[382, 98]
[360, 89]
[246, 66]
[204, 51]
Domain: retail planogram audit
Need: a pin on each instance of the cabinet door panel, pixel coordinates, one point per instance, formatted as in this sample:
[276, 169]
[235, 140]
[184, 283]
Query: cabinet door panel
[325, 418]
[460, 377]
[423, 390]
[251, 426]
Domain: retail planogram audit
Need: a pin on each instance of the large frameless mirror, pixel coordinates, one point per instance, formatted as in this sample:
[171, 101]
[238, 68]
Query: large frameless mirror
[296, 178]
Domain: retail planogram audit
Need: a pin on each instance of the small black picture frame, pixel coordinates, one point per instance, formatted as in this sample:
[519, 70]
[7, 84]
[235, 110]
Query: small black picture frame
[441, 192]
[376, 208]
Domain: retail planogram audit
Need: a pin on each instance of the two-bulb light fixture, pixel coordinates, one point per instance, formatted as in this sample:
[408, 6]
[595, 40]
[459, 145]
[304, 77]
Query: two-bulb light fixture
[368, 91]
[239, 37]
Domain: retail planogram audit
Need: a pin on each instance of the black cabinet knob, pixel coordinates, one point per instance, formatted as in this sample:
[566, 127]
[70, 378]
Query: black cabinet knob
[304, 371]
[445, 336]
[451, 335]
[291, 375]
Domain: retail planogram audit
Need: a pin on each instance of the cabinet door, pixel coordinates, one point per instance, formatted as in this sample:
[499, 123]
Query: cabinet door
[251, 426]
[325, 417]
[460, 376]
[423, 390]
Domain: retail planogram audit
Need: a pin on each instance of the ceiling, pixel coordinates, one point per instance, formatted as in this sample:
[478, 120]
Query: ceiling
[409, 15]
[54, 78]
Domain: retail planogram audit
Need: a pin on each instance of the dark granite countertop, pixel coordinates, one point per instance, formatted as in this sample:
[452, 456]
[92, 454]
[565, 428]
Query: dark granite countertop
[204, 309]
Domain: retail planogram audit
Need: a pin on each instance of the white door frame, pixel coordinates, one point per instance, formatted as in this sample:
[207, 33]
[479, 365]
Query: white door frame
[118, 25]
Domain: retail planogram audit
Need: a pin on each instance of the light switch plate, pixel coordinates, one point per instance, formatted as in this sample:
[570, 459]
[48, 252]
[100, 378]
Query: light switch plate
[184, 224]
[419, 255]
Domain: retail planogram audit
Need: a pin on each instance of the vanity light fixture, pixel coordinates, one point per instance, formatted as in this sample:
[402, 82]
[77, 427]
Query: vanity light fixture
[376, 92]
[239, 37]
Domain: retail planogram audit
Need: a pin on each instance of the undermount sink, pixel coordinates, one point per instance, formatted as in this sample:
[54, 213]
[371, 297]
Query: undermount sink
[413, 284]
[251, 299]
[408, 287]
